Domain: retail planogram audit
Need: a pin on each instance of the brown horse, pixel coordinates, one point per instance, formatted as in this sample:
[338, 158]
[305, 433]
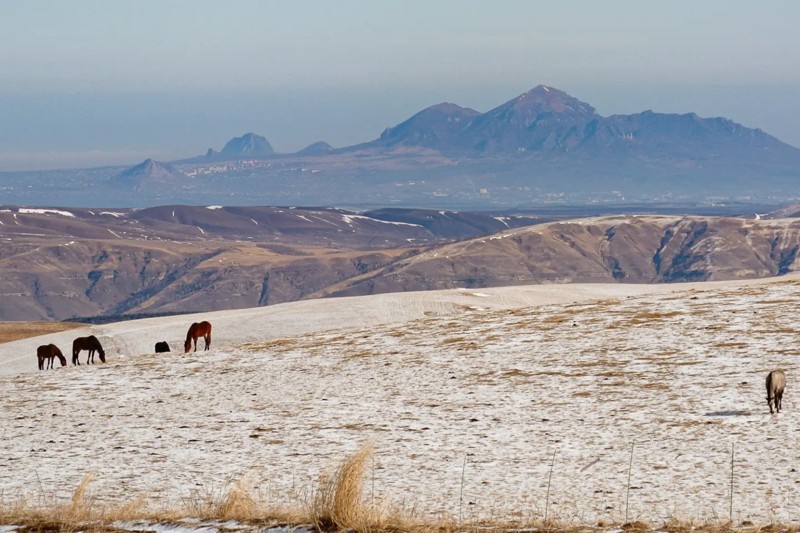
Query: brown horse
[87, 343]
[49, 352]
[197, 330]
[776, 381]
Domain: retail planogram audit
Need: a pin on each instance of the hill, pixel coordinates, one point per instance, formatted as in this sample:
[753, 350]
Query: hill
[60, 264]
[467, 396]
[639, 249]
[79, 263]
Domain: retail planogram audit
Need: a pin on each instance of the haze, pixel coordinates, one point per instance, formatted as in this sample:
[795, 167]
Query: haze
[90, 83]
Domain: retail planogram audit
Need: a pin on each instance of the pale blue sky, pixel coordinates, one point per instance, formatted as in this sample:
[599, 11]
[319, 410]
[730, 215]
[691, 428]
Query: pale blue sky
[95, 82]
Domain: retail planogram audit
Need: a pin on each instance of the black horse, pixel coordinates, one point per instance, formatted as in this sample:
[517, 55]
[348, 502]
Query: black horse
[87, 343]
[47, 353]
[162, 347]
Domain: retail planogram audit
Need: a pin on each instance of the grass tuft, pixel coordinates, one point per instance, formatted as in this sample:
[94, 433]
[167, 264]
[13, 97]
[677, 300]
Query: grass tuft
[338, 503]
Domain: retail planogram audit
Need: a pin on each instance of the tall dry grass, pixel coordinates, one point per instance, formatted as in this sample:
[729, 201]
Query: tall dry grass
[338, 504]
[339, 500]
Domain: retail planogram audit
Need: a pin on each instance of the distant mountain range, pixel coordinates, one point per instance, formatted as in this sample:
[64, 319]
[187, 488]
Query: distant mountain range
[542, 147]
[545, 120]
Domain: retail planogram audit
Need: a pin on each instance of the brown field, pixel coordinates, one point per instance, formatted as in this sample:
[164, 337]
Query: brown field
[14, 331]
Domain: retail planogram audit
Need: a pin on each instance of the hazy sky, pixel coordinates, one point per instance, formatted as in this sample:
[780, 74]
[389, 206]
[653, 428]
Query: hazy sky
[86, 83]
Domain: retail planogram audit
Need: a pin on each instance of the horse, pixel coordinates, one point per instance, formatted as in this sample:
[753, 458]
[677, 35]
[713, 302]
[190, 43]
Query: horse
[162, 347]
[776, 381]
[87, 343]
[197, 330]
[49, 352]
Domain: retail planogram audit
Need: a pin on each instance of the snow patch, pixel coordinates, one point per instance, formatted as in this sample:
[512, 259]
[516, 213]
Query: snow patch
[45, 212]
[349, 219]
[469, 292]
[114, 214]
[213, 207]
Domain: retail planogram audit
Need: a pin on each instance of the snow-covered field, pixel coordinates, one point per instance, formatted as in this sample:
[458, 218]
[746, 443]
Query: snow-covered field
[502, 378]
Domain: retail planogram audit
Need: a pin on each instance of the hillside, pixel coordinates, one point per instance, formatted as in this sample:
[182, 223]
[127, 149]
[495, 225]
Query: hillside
[102, 265]
[462, 393]
[639, 249]
[58, 264]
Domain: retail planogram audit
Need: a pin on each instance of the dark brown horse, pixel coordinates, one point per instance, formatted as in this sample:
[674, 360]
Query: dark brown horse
[197, 330]
[87, 343]
[49, 352]
[776, 381]
[162, 347]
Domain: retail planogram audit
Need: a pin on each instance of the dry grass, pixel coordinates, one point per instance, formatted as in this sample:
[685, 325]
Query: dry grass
[339, 501]
[14, 331]
[337, 505]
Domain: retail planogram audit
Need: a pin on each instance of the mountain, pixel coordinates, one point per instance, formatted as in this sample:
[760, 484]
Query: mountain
[542, 147]
[540, 119]
[145, 172]
[434, 127]
[248, 145]
[547, 121]
[317, 148]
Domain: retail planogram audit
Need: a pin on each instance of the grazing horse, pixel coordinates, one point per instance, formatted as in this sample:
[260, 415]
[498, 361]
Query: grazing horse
[87, 343]
[776, 381]
[162, 347]
[197, 330]
[49, 352]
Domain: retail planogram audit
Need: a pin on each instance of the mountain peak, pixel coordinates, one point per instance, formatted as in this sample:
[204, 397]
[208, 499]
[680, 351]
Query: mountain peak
[248, 145]
[433, 126]
[146, 173]
[317, 148]
[543, 99]
[149, 168]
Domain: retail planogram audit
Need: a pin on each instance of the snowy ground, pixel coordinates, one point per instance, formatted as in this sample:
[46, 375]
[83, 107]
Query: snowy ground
[503, 378]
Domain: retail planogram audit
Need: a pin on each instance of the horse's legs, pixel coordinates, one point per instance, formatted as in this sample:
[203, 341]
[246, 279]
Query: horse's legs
[195, 344]
[208, 340]
[769, 403]
[41, 362]
[75, 354]
[779, 401]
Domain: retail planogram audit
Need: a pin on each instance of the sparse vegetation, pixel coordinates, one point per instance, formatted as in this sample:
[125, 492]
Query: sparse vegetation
[296, 404]
[12, 331]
